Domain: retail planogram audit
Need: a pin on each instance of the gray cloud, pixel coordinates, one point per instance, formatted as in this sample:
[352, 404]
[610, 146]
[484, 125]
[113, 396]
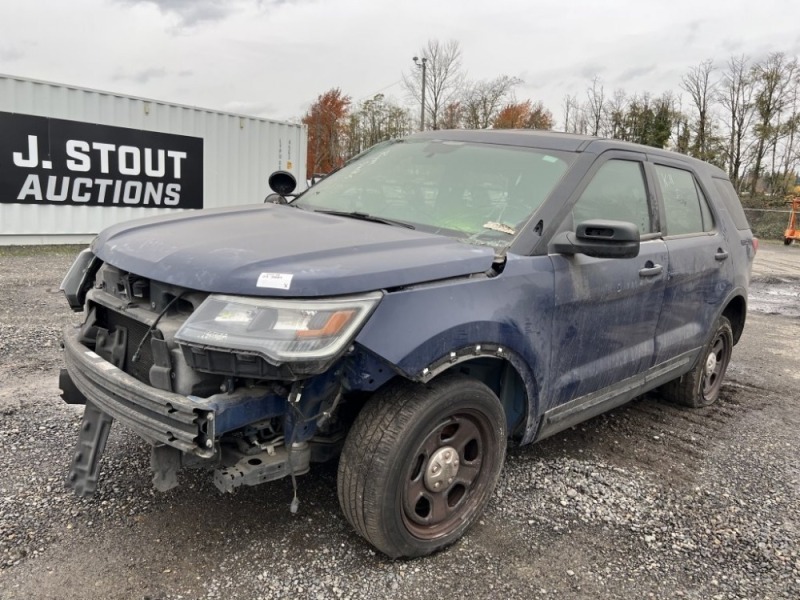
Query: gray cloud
[692, 30]
[635, 73]
[590, 70]
[246, 107]
[762, 52]
[142, 76]
[190, 12]
[195, 12]
[730, 45]
[10, 54]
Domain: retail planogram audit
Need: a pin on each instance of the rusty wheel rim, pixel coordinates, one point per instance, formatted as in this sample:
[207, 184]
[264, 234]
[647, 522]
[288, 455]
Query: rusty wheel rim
[447, 475]
[715, 366]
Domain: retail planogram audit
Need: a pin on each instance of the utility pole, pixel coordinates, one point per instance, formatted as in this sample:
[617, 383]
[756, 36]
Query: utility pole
[423, 65]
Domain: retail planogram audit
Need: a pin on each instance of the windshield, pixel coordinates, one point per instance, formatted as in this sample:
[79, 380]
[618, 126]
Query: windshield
[481, 193]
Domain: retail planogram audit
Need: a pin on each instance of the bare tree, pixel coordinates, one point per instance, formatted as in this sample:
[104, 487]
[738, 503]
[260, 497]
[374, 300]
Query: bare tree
[581, 123]
[736, 97]
[597, 104]
[617, 108]
[452, 116]
[376, 119]
[791, 132]
[697, 82]
[570, 106]
[483, 100]
[444, 79]
[773, 79]
[644, 119]
[682, 134]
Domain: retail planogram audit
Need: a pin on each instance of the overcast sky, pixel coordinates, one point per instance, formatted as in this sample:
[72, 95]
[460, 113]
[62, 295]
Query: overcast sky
[271, 58]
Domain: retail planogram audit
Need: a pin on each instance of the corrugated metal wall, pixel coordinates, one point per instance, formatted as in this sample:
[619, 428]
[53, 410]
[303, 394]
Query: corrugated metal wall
[239, 153]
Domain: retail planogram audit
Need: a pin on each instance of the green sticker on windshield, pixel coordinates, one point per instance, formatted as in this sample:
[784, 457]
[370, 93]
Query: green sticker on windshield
[550, 159]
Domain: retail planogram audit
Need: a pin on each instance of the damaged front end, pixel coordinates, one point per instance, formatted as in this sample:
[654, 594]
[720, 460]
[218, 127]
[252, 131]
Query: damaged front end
[251, 388]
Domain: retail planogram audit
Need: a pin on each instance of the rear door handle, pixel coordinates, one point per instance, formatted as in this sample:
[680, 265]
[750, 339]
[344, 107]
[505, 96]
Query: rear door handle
[650, 270]
[721, 254]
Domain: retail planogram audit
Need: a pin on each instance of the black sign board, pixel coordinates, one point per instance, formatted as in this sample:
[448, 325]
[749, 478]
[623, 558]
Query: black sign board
[54, 161]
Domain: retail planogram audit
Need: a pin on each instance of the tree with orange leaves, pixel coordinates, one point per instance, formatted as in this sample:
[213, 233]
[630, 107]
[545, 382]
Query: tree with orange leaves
[326, 120]
[523, 115]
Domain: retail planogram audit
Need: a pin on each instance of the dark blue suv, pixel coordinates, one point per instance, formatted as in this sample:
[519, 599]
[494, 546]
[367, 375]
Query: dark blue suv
[407, 315]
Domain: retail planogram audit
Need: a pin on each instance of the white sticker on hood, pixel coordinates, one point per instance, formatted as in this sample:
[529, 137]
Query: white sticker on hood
[275, 281]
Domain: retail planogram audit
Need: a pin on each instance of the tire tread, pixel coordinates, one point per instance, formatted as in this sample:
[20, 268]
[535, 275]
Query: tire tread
[685, 390]
[364, 465]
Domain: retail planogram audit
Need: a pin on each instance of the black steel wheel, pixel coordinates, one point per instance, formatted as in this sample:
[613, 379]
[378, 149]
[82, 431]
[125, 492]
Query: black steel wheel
[420, 464]
[701, 386]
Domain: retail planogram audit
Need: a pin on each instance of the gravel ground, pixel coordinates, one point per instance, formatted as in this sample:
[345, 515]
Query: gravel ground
[649, 500]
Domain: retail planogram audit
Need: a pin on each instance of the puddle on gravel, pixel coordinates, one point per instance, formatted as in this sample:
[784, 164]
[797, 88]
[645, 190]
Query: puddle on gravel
[775, 296]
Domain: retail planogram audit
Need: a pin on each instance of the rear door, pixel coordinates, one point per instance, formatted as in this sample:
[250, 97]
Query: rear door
[699, 277]
[606, 310]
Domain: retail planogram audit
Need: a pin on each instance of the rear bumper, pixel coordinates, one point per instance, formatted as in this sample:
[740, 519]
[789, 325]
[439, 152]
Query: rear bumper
[156, 415]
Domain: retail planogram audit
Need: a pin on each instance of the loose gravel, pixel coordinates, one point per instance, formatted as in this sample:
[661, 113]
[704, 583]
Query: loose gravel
[649, 501]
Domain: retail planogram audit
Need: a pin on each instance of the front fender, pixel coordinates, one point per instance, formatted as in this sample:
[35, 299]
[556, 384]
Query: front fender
[423, 329]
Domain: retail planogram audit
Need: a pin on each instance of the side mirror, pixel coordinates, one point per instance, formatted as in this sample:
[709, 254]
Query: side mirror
[283, 184]
[599, 238]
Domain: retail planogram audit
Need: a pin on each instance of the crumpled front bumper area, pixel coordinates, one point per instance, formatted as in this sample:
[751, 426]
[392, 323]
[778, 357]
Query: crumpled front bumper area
[173, 423]
[157, 415]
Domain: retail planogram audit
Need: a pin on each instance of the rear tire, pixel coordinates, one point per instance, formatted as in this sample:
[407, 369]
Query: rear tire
[701, 386]
[420, 463]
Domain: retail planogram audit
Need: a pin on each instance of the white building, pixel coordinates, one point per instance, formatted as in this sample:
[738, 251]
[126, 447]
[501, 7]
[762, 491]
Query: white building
[73, 160]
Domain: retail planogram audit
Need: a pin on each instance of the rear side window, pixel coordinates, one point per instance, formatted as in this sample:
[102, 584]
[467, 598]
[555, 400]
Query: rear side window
[732, 203]
[685, 205]
[617, 192]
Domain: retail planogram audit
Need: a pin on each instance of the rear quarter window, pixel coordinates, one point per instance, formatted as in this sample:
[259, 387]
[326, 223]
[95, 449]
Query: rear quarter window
[732, 203]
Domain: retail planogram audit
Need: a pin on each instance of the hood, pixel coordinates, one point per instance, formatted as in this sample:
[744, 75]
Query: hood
[275, 250]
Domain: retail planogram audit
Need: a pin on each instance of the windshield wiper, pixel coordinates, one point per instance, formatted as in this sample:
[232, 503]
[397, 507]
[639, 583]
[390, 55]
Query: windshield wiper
[364, 217]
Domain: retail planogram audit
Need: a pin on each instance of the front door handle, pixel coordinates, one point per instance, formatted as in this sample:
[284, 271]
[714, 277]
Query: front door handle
[650, 270]
[721, 254]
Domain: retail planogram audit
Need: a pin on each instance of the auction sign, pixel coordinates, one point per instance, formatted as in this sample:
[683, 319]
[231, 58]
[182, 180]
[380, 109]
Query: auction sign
[54, 161]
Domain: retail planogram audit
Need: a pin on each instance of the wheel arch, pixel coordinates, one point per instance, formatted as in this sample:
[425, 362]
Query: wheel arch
[500, 368]
[736, 312]
[505, 373]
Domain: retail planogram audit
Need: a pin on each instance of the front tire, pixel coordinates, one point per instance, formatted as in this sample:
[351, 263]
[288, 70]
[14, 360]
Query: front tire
[701, 386]
[420, 463]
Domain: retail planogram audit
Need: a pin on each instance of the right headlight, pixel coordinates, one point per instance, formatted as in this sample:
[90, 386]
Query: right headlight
[278, 330]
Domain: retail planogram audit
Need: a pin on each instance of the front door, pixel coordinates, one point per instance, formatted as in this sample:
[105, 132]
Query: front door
[606, 310]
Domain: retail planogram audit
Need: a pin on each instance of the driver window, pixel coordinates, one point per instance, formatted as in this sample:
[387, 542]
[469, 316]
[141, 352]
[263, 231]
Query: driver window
[616, 192]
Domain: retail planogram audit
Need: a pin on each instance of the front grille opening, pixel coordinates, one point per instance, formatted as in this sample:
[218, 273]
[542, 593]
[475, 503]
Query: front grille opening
[111, 320]
[118, 338]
